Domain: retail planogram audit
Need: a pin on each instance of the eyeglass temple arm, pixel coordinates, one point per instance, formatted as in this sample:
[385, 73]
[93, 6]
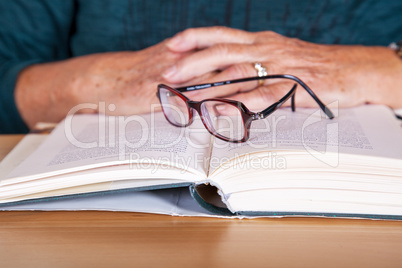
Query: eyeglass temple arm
[323, 107]
[217, 84]
[291, 94]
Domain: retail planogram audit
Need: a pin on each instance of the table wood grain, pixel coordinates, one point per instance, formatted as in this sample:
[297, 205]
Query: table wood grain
[122, 239]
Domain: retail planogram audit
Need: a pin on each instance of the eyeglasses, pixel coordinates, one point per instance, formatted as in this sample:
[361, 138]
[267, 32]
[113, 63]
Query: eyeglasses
[228, 120]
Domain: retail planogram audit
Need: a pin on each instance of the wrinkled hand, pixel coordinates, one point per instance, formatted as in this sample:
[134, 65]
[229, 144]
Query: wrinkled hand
[351, 75]
[46, 92]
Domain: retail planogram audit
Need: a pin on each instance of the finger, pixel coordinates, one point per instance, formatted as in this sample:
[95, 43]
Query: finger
[217, 57]
[205, 78]
[235, 72]
[232, 73]
[244, 70]
[199, 38]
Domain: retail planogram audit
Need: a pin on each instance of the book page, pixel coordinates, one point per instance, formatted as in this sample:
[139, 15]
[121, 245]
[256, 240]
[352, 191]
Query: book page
[369, 130]
[20, 152]
[89, 141]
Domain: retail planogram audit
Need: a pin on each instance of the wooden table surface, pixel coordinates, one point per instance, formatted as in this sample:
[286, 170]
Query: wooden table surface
[118, 239]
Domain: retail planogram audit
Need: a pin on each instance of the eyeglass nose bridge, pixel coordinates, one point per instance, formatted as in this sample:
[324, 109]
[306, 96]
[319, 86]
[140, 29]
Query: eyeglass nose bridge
[193, 105]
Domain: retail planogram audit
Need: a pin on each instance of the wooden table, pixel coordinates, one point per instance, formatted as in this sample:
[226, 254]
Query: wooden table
[116, 239]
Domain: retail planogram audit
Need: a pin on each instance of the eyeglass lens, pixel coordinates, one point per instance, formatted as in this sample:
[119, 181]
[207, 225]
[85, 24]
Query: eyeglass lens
[223, 119]
[220, 118]
[174, 107]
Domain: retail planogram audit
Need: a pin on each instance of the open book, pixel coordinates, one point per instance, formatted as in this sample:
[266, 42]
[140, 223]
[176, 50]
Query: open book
[295, 163]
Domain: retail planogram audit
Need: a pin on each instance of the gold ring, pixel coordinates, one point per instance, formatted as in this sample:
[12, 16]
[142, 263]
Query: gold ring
[261, 71]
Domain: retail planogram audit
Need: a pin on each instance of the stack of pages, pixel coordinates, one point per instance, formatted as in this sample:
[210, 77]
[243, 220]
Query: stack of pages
[294, 164]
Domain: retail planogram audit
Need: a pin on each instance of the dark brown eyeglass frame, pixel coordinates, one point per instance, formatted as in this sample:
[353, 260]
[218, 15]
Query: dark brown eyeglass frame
[247, 115]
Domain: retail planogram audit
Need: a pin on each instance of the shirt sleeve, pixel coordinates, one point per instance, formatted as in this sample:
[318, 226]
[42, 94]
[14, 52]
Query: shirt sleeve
[31, 31]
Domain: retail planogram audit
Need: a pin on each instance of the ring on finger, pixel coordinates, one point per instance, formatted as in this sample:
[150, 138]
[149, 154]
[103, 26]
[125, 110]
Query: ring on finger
[261, 71]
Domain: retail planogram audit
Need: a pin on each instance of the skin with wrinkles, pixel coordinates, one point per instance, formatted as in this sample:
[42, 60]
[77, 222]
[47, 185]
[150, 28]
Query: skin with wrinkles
[128, 80]
[351, 75]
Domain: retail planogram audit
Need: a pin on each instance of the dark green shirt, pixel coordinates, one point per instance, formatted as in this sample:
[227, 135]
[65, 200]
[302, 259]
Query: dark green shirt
[33, 31]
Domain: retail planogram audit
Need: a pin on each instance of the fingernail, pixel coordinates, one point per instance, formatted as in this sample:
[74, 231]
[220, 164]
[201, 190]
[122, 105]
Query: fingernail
[169, 72]
[174, 41]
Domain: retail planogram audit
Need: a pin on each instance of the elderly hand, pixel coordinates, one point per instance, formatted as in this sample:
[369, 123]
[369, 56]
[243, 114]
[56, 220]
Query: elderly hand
[351, 75]
[46, 92]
